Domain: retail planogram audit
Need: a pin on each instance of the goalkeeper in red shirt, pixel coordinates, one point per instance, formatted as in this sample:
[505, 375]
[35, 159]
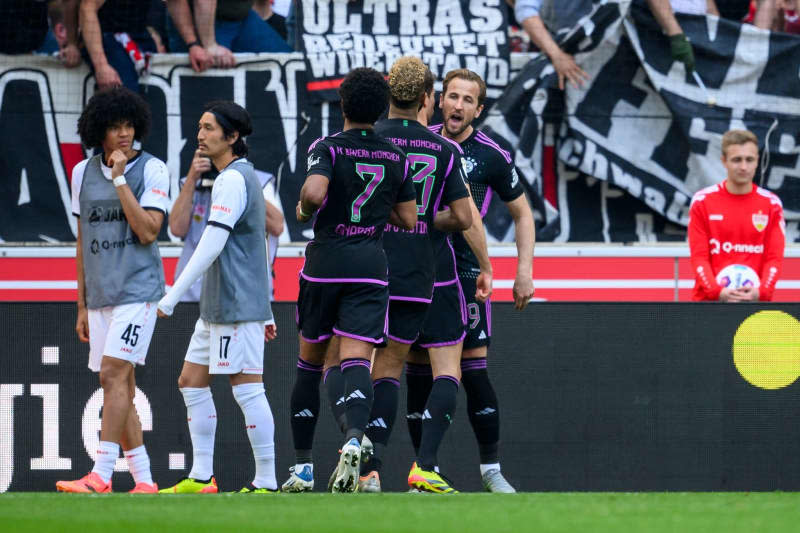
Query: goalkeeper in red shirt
[736, 223]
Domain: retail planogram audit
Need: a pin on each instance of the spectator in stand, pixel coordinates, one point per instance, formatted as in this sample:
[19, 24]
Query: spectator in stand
[182, 36]
[224, 27]
[24, 29]
[117, 41]
[775, 15]
[265, 11]
[541, 17]
[736, 223]
[156, 24]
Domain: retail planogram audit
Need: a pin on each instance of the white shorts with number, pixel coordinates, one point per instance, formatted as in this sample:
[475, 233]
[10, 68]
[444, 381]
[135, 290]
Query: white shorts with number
[121, 331]
[228, 348]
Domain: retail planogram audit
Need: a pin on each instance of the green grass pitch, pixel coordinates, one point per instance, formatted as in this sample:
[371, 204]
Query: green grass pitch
[378, 513]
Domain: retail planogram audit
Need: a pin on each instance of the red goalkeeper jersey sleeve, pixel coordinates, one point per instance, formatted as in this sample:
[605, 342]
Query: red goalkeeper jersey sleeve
[726, 229]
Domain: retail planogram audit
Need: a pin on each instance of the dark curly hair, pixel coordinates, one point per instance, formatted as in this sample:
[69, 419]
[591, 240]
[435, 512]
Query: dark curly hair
[365, 95]
[232, 118]
[109, 108]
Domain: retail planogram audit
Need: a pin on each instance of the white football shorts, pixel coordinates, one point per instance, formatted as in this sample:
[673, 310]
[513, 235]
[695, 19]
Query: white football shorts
[121, 331]
[228, 348]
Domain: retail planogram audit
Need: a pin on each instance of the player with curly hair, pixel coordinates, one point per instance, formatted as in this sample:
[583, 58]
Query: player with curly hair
[356, 182]
[121, 197]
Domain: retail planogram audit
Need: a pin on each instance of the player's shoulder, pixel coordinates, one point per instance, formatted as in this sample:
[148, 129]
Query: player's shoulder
[494, 148]
[229, 177]
[325, 140]
[451, 144]
[80, 168]
[702, 194]
[436, 128]
[771, 196]
[153, 164]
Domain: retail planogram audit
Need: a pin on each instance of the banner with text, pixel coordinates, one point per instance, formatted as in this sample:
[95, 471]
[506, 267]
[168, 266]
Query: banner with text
[339, 35]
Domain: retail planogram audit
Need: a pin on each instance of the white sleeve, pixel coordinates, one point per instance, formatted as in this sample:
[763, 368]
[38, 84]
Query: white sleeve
[75, 184]
[156, 186]
[210, 246]
[228, 199]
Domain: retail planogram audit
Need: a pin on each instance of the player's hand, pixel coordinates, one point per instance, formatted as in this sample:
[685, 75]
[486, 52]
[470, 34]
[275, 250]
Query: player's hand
[82, 325]
[200, 59]
[523, 291]
[222, 57]
[107, 77]
[299, 215]
[117, 162]
[748, 294]
[200, 164]
[729, 294]
[568, 70]
[270, 332]
[164, 310]
[70, 56]
[483, 286]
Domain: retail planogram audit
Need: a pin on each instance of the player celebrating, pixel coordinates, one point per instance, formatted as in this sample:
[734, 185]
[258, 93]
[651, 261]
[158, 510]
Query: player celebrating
[489, 168]
[736, 223]
[234, 304]
[120, 197]
[356, 183]
[436, 170]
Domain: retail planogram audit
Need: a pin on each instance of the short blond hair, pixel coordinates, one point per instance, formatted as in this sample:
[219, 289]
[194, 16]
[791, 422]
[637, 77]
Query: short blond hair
[735, 137]
[468, 75]
[409, 79]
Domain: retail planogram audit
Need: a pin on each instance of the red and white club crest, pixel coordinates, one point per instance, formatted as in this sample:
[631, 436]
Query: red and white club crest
[760, 221]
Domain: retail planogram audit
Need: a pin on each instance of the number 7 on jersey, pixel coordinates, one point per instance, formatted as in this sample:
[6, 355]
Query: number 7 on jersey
[373, 173]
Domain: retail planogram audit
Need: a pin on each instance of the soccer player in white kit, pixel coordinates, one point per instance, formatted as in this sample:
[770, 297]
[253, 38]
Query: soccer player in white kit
[120, 196]
[234, 305]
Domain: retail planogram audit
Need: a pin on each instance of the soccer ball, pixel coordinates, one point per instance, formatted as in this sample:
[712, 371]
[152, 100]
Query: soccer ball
[738, 276]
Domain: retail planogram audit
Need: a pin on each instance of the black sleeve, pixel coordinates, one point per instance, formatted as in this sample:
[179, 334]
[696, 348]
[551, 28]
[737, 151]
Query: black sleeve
[505, 181]
[407, 189]
[320, 160]
[455, 186]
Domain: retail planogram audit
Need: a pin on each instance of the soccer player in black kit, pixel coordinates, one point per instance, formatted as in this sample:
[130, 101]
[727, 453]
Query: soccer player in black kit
[489, 169]
[356, 182]
[437, 172]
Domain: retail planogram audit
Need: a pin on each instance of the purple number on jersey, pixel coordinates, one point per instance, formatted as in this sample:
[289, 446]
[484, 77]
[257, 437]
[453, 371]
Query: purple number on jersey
[423, 166]
[375, 174]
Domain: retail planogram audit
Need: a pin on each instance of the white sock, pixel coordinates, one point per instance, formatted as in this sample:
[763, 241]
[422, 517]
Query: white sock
[139, 465]
[492, 466]
[202, 417]
[107, 454]
[260, 431]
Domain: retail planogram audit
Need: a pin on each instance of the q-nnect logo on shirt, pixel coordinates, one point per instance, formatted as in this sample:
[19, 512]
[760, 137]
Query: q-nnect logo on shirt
[98, 246]
[731, 247]
[97, 215]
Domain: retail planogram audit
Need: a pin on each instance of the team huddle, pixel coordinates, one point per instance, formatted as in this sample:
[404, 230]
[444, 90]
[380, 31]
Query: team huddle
[397, 276]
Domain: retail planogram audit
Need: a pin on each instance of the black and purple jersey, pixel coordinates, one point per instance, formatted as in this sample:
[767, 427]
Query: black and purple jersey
[489, 168]
[367, 178]
[435, 168]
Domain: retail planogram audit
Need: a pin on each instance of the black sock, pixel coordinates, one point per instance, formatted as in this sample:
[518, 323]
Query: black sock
[334, 386]
[482, 407]
[436, 418]
[381, 419]
[357, 396]
[419, 379]
[304, 408]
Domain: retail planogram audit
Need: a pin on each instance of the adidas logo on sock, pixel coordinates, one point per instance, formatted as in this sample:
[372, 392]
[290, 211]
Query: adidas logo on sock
[340, 401]
[378, 423]
[486, 411]
[482, 335]
[427, 415]
[356, 395]
[305, 413]
[414, 416]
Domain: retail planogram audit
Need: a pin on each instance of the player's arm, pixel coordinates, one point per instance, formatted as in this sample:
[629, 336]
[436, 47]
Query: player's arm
[404, 214]
[525, 236]
[180, 216]
[700, 254]
[457, 218]
[82, 324]
[312, 195]
[145, 223]
[104, 73]
[773, 255]
[274, 219]
[475, 236]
